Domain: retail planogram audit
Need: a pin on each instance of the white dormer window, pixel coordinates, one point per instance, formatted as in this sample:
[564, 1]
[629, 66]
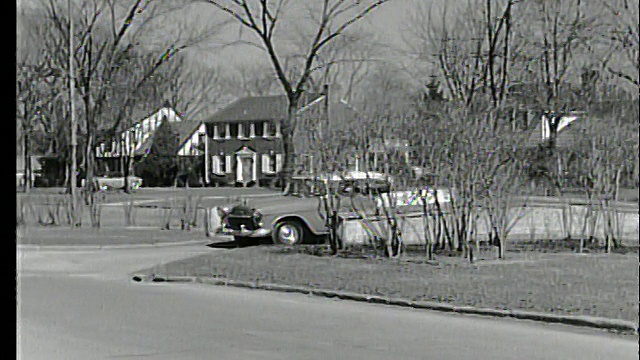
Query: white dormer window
[271, 129]
[244, 131]
[258, 129]
[278, 134]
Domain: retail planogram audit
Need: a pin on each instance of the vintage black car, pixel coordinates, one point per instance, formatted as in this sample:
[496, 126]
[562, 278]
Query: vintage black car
[293, 220]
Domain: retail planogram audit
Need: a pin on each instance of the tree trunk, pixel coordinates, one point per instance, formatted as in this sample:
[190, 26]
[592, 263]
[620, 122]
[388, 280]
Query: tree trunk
[287, 129]
[27, 162]
[89, 171]
[126, 172]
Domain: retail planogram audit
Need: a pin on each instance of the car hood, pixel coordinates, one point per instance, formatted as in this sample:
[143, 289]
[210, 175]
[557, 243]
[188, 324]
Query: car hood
[281, 204]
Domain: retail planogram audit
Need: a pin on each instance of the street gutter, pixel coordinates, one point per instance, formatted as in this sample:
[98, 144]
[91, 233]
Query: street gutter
[613, 325]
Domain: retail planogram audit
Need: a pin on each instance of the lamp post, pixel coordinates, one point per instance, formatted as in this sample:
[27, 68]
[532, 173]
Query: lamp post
[74, 140]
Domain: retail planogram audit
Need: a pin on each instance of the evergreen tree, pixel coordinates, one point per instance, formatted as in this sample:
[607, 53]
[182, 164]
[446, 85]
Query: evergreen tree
[160, 166]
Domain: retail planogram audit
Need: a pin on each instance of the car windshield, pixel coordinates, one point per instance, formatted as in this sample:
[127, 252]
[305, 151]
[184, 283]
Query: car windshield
[310, 187]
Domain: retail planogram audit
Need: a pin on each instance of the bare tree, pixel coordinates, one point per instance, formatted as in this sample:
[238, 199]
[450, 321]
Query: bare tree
[344, 63]
[474, 47]
[603, 153]
[39, 85]
[562, 31]
[109, 40]
[331, 19]
[625, 39]
[246, 80]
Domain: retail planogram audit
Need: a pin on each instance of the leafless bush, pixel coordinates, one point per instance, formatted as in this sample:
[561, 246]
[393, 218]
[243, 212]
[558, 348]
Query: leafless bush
[167, 212]
[128, 206]
[189, 210]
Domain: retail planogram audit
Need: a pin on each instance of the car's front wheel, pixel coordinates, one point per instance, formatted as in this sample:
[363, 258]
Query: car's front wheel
[288, 233]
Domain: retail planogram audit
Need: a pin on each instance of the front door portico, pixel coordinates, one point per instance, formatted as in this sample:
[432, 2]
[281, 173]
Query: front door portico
[246, 166]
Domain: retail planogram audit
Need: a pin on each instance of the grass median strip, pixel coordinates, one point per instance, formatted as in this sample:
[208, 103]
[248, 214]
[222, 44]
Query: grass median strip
[561, 283]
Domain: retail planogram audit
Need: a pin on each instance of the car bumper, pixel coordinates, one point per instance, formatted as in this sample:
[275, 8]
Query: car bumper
[262, 232]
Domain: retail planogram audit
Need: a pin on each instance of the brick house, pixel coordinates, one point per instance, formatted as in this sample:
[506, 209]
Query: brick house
[245, 142]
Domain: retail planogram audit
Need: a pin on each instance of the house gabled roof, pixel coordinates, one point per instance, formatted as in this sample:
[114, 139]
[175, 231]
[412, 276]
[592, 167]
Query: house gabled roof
[258, 108]
[144, 127]
[567, 135]
[185, 130]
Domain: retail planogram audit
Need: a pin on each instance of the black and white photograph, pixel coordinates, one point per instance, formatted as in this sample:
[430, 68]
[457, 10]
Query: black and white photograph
[327, 179]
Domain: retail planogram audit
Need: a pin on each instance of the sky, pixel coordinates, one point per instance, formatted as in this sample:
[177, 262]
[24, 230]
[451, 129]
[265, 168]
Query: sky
[387, 24]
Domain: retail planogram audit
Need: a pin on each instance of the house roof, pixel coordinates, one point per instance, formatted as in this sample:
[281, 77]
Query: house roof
[257, 108]
[184, 130]
[566, 137]
[145, 148]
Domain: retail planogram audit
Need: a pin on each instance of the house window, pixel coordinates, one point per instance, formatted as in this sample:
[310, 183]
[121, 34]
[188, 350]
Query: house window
[258, 129]
[221, 164]
[270, 129]
[244, 131]
[233, 130]
[202, 138]
[271, 163]
[221, 131]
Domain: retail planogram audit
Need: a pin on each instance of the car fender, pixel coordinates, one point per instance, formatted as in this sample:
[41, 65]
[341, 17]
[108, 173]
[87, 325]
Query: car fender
[315, 226]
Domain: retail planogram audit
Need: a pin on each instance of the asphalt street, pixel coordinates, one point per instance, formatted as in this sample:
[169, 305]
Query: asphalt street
[83, 305]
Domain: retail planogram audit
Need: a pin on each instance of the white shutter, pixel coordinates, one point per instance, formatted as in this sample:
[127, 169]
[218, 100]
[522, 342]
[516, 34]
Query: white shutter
[278, 162]
[215, 164]
[265, 163]
[227, 162]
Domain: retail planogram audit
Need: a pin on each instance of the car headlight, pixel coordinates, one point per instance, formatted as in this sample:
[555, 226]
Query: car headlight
[223, 212]
[257, 218]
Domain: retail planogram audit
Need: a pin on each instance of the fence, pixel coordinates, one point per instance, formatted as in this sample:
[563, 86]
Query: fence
[538, 222]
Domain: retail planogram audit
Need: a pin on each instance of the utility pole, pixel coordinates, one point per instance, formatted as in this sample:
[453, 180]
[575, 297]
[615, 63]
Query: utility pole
[72, 109]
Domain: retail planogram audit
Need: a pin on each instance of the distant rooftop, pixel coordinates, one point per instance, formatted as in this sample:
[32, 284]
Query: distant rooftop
[258, 108]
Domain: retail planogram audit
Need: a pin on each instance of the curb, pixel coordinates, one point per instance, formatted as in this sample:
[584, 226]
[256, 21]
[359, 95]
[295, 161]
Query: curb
[615, 325]
[106, 247]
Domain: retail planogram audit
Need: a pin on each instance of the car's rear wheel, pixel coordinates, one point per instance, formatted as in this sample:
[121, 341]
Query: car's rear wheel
[288, 232]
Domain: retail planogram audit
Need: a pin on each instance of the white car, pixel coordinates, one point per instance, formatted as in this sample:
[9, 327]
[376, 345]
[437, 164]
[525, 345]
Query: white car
[115, 181]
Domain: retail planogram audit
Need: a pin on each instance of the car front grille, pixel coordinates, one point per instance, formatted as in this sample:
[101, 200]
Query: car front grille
[236, 222]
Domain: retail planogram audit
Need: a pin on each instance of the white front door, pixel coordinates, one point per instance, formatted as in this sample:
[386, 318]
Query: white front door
[246, 166]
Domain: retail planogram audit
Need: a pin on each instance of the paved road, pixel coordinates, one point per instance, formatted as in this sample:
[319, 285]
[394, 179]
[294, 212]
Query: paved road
[82, 305]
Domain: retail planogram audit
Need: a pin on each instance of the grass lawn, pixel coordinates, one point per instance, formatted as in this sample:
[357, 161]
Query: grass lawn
[560, 283]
